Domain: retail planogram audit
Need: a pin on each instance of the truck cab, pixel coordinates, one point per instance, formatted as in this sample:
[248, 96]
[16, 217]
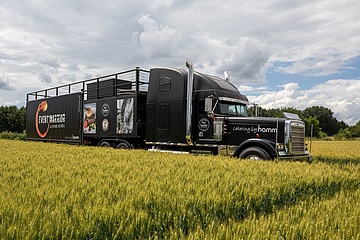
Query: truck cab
[218, 117]
[225, 110]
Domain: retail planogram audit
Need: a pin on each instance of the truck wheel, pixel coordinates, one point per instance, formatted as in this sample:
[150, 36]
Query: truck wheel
[254, 153]
[105, 144]
[215, 151]
[123, 145]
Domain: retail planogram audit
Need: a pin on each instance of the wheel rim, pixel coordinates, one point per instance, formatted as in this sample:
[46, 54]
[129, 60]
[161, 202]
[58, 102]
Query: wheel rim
[122, 146]
[105, 144]
[253, 157]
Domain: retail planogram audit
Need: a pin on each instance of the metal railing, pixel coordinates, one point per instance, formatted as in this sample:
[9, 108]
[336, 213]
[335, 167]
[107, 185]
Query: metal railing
[130, 81]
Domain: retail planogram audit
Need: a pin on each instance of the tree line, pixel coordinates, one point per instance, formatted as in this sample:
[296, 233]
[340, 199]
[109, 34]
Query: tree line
[12, 119]
[322, 120]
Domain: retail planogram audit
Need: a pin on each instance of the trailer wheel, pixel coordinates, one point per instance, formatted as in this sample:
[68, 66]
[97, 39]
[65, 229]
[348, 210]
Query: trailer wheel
[105, 144]
[254, 153]
[123, 145]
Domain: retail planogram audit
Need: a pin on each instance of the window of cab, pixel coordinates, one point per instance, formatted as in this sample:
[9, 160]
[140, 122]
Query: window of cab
[233, 109]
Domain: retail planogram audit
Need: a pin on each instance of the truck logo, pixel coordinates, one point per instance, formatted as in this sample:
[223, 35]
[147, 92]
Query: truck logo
[204, 124]
[53, 121]
[105, 109]
[43, 106]
[105, 124]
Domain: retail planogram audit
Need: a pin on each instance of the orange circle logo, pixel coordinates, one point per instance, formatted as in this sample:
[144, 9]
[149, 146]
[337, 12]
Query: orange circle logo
[43, 106]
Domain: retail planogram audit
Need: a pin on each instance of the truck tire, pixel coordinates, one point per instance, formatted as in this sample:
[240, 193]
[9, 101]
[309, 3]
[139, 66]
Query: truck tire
[105, 144]
[254, 153]
[215, 151]
[123, 145]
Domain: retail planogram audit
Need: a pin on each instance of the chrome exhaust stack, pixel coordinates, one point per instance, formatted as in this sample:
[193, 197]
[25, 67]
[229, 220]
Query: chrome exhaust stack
[226, 76]
[189, 99]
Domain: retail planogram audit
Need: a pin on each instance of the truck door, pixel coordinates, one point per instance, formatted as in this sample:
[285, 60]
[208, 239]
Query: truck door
[163, 117]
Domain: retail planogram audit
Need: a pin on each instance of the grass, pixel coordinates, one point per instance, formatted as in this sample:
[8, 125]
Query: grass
[337, 152]
[77, 192]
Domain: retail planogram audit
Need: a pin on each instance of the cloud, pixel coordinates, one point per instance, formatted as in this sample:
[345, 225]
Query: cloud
[45, 77]
[316, 66]
[158, 41]
[5, 83]
[64, 78]
[44, 43]
[59, 73]
[340, 95]
[246, 61]
[50, 62]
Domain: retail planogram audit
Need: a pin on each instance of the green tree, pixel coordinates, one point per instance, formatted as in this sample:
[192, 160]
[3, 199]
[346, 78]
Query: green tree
[343, 134]
[316, 130]
[3, 119]
[343, 125]
[328, 123]
[273, 112]
[12, 119]
[355, 130]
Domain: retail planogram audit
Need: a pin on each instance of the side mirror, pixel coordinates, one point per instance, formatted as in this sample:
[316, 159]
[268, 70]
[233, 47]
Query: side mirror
[208, 105]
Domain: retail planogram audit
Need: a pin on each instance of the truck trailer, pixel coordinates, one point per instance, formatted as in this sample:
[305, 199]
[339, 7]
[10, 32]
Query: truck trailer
[162, 109]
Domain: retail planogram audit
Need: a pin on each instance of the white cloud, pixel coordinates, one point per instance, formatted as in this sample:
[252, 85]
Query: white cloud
[45, 77]
[340, 95]
[246, 61]
[316, 66]
[159, 41]
[5, 83]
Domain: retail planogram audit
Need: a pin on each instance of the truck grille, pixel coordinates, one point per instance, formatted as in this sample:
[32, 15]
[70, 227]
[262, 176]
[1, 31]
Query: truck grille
[297, 141]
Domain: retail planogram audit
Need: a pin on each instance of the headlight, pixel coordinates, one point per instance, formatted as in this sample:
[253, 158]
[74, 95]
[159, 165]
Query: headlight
[280, 147]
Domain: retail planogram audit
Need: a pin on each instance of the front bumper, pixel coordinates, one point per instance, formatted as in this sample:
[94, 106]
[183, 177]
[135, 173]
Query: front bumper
[304, 158]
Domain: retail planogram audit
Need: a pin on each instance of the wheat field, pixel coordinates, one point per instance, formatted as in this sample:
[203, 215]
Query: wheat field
[58, 191]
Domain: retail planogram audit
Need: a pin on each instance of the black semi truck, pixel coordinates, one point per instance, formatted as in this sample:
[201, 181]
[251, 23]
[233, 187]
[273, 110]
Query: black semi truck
[164, 109]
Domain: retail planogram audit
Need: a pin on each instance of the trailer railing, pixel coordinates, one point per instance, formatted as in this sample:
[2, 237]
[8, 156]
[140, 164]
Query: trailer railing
[126, 82]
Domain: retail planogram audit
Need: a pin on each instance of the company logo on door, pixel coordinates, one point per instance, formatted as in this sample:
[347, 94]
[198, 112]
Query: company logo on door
[254, 129]
[105, 109]
[50, 121]
[204, 124]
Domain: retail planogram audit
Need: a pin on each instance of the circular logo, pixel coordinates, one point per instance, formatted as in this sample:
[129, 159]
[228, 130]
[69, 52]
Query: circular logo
[43, 106]
[204, 124]
[105, 109]
[105, 124]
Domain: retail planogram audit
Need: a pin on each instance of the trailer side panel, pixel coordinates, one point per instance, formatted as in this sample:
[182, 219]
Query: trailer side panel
[55, 119]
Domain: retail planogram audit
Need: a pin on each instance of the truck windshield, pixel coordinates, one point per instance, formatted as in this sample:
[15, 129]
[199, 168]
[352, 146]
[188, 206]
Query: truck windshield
[233, 109]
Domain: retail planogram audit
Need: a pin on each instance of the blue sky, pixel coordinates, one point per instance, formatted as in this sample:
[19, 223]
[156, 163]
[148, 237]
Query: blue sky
[350, 70]
[279, 53]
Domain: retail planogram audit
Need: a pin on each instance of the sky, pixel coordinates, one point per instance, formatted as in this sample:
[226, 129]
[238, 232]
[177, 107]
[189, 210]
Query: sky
[279, 53]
